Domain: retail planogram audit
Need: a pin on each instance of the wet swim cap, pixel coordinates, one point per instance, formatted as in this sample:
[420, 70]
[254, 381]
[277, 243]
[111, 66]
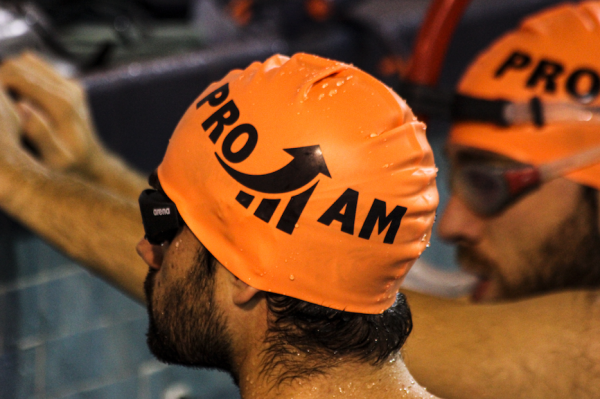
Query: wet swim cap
[306, 177]
[554, 55]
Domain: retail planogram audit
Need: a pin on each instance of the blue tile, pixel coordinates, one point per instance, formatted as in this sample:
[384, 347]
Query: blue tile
[120, 306]
[31, 321]
[209, 384]
[34, 256]
[8, 375]
[68, 307]
[28, 366]
[18, 374]
[81, 302]
[120, 389]
[108, 353]
[201, 384]
[8, 324]
[19, 316]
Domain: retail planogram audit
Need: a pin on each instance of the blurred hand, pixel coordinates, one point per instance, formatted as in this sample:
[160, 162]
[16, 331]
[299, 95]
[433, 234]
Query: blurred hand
[10, 125]
[15, 162]
[54, 114]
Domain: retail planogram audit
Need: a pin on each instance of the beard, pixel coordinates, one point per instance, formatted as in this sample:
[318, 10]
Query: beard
[188, 329]
[568, 259]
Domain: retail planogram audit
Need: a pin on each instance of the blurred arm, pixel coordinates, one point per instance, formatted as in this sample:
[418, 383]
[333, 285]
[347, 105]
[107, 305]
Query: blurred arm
[94, 226]
[544, 347]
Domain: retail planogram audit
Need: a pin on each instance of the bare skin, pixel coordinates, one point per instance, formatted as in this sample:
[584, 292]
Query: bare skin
[77, 215]
[246, 313]
[545, 347]
[536, 348]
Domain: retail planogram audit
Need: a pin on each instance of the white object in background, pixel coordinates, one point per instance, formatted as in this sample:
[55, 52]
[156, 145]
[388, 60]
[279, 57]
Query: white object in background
[177, 391]
[428, 279]
[16, 34]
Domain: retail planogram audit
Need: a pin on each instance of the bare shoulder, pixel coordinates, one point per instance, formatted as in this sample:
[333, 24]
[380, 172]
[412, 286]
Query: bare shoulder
[546, 347]
[588, 380]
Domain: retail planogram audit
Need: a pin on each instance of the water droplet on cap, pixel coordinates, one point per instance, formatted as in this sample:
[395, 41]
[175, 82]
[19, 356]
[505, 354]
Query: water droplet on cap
[332, 92]
[321, 96]
[292, 277]
[325, 85]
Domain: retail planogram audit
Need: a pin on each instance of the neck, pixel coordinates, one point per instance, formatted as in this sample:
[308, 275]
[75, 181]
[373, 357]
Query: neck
[348, 378]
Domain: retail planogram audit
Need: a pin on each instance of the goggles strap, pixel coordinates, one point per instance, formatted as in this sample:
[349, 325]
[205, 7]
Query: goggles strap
[467, 108]
[570, 164]
[433, 102]
[537, 111]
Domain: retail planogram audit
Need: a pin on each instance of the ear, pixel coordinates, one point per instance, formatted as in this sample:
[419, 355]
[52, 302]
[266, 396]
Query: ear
[242, 292]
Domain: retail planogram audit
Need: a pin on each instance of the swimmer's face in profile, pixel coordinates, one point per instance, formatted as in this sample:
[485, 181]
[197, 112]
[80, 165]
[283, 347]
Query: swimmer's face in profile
[544, 77]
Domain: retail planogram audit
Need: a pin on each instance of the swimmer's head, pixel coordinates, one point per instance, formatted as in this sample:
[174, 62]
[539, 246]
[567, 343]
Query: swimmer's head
[519, 227]
[306, 177]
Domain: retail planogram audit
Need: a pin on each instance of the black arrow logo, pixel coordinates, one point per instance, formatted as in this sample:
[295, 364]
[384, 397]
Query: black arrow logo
[308, 162]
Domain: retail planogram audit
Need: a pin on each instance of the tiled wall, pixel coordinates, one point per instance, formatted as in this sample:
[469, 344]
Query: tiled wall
[66, 334]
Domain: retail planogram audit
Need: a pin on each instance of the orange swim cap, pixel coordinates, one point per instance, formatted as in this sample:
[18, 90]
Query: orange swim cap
[306, 177]
[554, 55]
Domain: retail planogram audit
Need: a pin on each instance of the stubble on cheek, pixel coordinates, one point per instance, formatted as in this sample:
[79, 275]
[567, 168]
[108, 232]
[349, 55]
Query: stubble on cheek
[473, 261]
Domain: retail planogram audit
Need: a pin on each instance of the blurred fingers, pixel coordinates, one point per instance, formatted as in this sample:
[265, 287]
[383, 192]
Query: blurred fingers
[33, 78]
[9, 118]
[38, 129]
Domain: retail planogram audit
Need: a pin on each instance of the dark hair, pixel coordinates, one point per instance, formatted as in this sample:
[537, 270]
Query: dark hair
[304, 339]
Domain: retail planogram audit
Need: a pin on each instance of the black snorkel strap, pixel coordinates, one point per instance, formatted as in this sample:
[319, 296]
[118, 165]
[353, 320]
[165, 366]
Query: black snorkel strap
[436, 103]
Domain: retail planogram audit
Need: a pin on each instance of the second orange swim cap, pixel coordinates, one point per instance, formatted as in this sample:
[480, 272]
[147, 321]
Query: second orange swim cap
[554, 56]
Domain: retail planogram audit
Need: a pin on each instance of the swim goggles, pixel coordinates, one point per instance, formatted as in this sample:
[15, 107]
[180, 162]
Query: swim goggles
[489, 189]
[160, 217]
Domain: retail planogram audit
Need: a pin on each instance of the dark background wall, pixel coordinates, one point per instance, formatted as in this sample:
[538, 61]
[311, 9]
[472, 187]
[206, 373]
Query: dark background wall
[65, 333]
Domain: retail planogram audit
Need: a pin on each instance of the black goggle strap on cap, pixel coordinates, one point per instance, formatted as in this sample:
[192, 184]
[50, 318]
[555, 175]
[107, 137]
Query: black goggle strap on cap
[432, 102]
[160, 216]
